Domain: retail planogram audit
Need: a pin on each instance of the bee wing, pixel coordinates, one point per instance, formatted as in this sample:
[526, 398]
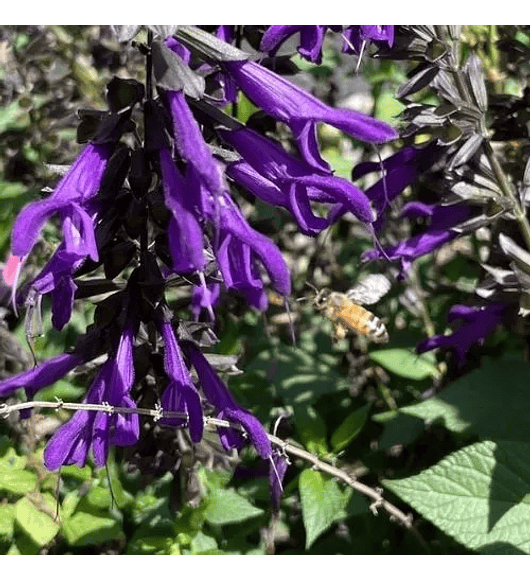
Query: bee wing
[370, 290]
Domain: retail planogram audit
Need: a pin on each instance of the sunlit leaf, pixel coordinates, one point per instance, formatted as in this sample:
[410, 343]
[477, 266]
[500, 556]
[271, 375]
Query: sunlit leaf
[480, 495]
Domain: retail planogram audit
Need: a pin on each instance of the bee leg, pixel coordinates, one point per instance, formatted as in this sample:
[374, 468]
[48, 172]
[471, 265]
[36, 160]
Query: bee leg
[339, 332]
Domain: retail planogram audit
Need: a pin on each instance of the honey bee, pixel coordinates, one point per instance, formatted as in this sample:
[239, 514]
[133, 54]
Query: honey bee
[346, 312]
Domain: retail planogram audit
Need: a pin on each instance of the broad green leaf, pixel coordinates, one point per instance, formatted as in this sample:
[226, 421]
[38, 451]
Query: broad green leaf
[323, 503]
[479, 495]
[39, 526]
[84, 529]
[406, 363]
[398, 429]
[349, 428]
[7, 520]
[492, 402]
[228, 507]
[16, 481]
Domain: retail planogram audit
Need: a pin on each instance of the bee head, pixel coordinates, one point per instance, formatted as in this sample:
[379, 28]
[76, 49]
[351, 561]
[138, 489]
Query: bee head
[321, 298]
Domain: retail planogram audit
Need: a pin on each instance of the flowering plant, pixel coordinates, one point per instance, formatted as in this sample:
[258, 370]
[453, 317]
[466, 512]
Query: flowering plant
[216, 191]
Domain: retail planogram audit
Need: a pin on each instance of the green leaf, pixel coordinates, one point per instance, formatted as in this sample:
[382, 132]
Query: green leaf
[202, 543]
[406, 363]
[228, 507]
[16, 481]
[78, 473]
[99, 497]
[484, 403]
[149, 545]
[341, 165]
[479, 495]
[323, 503]
[84, 529]
[7, 520]
[39, 526]
[387, 107]
[349, 428]
[298, 375]
[13, 118]
[311, 429]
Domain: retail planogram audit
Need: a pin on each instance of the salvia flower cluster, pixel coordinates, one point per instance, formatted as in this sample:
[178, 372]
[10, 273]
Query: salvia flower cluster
[150, 200]
[159, 210]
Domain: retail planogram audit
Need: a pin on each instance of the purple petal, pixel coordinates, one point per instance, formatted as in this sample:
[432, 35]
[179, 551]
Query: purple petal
[233, 222]
[286, 102]
[277, 470]
[63, 302]
[70, 443]
[79, 185]
[478, 323]
[253, 428]
[184, 233]
[190, 142]
[78, 230]
[42, 376]
[181, 393]
[305, 133]
[218, 394]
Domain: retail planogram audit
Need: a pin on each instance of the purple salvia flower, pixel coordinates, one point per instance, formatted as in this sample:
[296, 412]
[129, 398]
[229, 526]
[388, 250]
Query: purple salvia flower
[440, 231]
[227, 408]
[184, 233]
[311, 39]
[231, 221]
[180, 395]
[357, 37]
[239, 270]
[71, 443]
[226, 32]
[400, 170]
[477, 323]
[298, 182]
[301, 111]
[56, 279]
[191, 145]
[277, 470]
[70, 197]
[204, 297]
[206, 196]
[41, 376]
